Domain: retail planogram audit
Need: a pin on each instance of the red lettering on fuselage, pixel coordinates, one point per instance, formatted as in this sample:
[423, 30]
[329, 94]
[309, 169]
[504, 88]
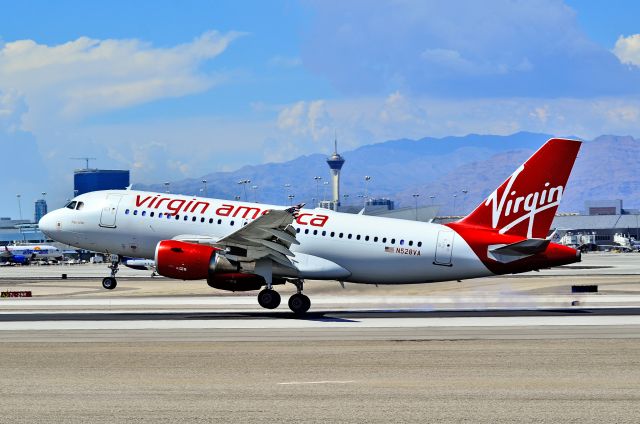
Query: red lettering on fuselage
[224, 210]
[247, 210]
[175, 206]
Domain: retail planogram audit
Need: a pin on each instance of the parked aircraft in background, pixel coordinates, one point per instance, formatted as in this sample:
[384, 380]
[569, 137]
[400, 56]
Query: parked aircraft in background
[246, 246]
[23, 254]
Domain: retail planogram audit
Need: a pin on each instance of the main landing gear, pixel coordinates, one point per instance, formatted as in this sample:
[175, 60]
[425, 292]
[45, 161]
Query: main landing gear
[298, 303]
[110, 283]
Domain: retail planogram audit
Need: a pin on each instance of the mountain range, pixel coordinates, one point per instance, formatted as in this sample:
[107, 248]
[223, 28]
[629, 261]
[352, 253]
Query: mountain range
[454, 172]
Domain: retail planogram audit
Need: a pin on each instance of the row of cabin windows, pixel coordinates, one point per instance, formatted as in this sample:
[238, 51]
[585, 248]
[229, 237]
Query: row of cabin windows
[306, 231]
[176, 217]
[358, 237]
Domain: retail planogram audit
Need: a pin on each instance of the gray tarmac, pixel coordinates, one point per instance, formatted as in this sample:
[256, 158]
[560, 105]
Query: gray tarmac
[503, 349]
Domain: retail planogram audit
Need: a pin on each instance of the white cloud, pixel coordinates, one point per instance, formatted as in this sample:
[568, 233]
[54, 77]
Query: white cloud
[88, 76]
[627, 49]
[12, 107]
[373, 119]
[308, 119]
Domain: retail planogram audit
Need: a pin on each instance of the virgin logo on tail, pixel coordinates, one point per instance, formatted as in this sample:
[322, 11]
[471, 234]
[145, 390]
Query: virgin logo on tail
[532, 203]
[525, 204]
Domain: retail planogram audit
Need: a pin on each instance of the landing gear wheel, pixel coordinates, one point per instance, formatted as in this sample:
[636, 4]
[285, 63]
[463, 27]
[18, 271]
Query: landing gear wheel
[299, 303]
[109, 283]
[269, 299]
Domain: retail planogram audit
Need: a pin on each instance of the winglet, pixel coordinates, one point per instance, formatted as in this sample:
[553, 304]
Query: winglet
[295, 210]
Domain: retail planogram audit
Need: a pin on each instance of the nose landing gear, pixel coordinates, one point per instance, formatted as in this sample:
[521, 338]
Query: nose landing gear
[110, 283]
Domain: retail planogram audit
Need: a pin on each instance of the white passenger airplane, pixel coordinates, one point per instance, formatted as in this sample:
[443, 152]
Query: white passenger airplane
[244, 246]
[25, 253]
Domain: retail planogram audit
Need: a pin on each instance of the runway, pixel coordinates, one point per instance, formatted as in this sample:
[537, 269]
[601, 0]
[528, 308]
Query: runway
[505, 349]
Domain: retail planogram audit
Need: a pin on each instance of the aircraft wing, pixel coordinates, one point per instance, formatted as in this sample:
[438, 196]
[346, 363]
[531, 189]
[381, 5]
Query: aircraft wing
[269, 237]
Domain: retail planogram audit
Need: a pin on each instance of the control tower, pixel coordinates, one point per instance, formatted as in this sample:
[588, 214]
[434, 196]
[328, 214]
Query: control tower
[335, 162]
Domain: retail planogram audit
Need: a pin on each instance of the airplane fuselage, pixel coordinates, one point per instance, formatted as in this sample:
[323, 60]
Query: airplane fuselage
[371, 249]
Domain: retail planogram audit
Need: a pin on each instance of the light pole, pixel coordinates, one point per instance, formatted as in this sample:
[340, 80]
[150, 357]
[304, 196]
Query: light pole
[287, 187]
[366, 188]
[318, 179]
[204, 182]
[324, 190]
[432, 199]
[291, 196]
[345, 196]
[18, 196]
[415, 196]
[166, 187]
[255, 193]
[237, 198]
[464, 199]
[244, 187]
[454, 204]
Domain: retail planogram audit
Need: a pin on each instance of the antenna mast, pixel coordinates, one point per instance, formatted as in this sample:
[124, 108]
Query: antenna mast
[86, 159]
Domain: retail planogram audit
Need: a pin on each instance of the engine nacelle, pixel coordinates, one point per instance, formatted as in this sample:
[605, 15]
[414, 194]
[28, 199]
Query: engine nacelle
[191, 261]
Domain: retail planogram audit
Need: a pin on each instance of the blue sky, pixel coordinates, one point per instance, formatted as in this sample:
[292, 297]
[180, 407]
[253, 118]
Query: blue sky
[179, 89]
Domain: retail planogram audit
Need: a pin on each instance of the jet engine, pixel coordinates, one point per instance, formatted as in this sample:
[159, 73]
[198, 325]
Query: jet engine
[191, 261]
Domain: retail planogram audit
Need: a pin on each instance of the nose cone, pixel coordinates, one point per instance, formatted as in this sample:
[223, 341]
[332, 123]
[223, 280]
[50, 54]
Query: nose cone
[47, 223]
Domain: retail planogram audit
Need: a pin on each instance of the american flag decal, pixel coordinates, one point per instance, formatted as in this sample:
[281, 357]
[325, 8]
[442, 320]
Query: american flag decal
[388, 249]
[295, 210]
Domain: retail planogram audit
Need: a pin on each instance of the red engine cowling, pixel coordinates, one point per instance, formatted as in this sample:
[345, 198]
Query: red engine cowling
[190, 261]
[184, 261]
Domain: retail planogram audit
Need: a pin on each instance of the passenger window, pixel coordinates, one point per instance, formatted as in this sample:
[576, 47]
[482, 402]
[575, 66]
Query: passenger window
[80, 206]
[202, 219]
[219, 221]
[151, 214]
[315, 232]
[384, 239]
[210, 220]
[126, 212]
[375, 239]
[410, 242]
[358, 237]
[349, 236]
[333, 233]
[298, 230]
[186, 217]
[340, 235]
[159, 214]
[144, 213]
[324, 233]
[193, 219]
[135, 212]
[419, 243]
[177, 217]
[401, 242]
[366, 238]
[231, 223]
[393, 241]
[71, 205]
[306, 231]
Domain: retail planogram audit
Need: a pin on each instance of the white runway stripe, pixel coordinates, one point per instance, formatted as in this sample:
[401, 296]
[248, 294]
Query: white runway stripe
[528, 321]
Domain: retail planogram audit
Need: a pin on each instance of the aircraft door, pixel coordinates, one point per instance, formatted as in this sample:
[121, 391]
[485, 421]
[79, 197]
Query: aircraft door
[444, 248]
[110, 210]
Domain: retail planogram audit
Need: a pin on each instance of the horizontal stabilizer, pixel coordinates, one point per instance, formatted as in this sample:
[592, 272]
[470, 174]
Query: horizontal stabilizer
[514, 251]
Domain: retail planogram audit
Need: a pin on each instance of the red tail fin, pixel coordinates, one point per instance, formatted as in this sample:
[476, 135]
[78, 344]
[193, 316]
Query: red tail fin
[526, 202]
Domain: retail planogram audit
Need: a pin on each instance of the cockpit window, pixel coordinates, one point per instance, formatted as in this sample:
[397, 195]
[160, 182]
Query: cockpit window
[71, 205]
[80, 206]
